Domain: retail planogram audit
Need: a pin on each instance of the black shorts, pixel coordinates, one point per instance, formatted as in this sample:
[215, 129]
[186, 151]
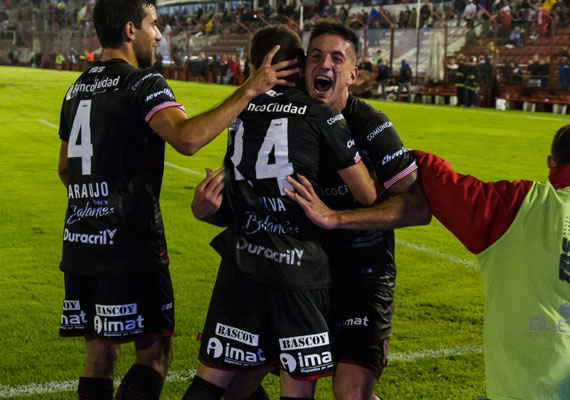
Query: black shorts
[118, 309]
[363, 305]
[250, 324]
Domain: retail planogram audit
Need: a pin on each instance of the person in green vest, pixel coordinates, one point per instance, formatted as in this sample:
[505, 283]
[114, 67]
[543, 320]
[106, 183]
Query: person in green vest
[520, 232]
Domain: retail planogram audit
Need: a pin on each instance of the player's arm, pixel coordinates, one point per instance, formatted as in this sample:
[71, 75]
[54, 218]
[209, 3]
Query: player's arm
[208, 204]
[359, 182]
[188, 135]
[62, 164]
[390, 214]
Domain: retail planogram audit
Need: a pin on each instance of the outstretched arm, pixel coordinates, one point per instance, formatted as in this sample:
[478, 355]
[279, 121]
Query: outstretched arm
[403, 209]
[188, 135]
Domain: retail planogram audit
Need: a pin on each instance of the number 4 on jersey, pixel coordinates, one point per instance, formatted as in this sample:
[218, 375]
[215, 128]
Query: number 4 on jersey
[275, 140]
[84, 150]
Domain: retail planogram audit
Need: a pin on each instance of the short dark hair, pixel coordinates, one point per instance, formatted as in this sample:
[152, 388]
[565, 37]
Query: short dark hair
[110, 17]
[560, 150]
[334, 28]
[270, 36]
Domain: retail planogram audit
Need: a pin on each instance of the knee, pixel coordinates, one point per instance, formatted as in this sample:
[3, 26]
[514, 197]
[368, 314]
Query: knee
[100, 359]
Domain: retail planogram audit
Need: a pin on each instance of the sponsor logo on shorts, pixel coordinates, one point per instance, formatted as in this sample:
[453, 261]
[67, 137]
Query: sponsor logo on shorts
[307, 363]
[289, 257]
[73, 320]
[335, 119]
[233, 354]
[229, 332]
[378, 130]
[356, 321]
[304, 342]
[110, 320]
[389, 157]
[71, 305]
[104, 237]
[116, 311]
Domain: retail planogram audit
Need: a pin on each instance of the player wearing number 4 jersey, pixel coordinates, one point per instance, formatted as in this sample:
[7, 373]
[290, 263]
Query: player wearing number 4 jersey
[270, 304]
[115, 120]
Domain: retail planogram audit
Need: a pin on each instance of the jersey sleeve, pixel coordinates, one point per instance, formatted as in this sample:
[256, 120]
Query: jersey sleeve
[384, 150]
[153, 94]
[337, 139]
[478, 213]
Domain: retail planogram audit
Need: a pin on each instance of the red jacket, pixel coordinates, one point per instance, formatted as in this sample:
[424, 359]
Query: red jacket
[478, 213]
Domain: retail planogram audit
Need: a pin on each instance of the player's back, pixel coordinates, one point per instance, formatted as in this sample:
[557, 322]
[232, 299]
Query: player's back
[114, 170]
[281, 133]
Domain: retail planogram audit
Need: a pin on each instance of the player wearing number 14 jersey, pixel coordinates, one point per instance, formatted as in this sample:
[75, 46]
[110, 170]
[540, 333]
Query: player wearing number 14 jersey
[270, 304]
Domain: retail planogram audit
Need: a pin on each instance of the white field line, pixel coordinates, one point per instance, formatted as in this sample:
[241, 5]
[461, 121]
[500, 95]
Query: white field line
[70, 386]
[186, 375]
[496, 113]
[43, 121]
[190, 171]
[437, 253]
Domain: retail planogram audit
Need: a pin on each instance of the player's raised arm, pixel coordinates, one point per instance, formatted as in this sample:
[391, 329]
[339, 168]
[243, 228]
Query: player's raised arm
[188, 135]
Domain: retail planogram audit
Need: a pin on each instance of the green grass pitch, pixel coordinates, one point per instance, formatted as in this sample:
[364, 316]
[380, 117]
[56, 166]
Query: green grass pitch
[437, 336]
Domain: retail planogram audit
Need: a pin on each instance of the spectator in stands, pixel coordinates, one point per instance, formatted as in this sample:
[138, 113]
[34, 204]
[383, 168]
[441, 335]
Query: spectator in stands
[513, 73]
[214, 68]
[365, 65]
[564, 74]
[459, 6]
[379, 56]
[383, 76]
[485, 69]
[514, 38]
[544, 71]
[413, 18]
[425, 13]
[470, 13]
[405, 81]
[534, 69]
[232, 69]
[459, 81]
[472, 79]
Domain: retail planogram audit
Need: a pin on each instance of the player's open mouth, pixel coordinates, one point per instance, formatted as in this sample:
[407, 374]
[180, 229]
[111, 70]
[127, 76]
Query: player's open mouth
[322, 83]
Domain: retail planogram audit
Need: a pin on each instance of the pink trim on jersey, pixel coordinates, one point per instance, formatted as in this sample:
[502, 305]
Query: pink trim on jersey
[357, 158]
[402, 174]
[162, 106]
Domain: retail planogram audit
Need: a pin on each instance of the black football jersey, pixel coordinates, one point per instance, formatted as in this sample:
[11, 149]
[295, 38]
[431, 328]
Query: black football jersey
[113, 223]
[383, 152]
[281, 133]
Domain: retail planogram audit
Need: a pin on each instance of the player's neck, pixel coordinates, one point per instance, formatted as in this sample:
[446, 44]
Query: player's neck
[125, 52]
[340, 103]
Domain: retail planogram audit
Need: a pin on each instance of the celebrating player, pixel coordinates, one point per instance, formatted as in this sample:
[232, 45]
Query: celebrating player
[270, 304]
[115, 120]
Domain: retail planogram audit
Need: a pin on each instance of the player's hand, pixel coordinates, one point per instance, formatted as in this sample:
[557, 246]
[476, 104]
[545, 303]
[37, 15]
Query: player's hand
[267, 76]
[314, 208]
[209, 194]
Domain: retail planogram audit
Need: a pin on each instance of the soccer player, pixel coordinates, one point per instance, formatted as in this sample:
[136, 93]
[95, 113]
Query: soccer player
[362, 262]
[520, 232]
[270, 304]
[115, 120]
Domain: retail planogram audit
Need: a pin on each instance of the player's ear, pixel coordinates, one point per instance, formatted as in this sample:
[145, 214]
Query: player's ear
[129, 32]
[251, 69]
[353, 75]
[550, 162]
